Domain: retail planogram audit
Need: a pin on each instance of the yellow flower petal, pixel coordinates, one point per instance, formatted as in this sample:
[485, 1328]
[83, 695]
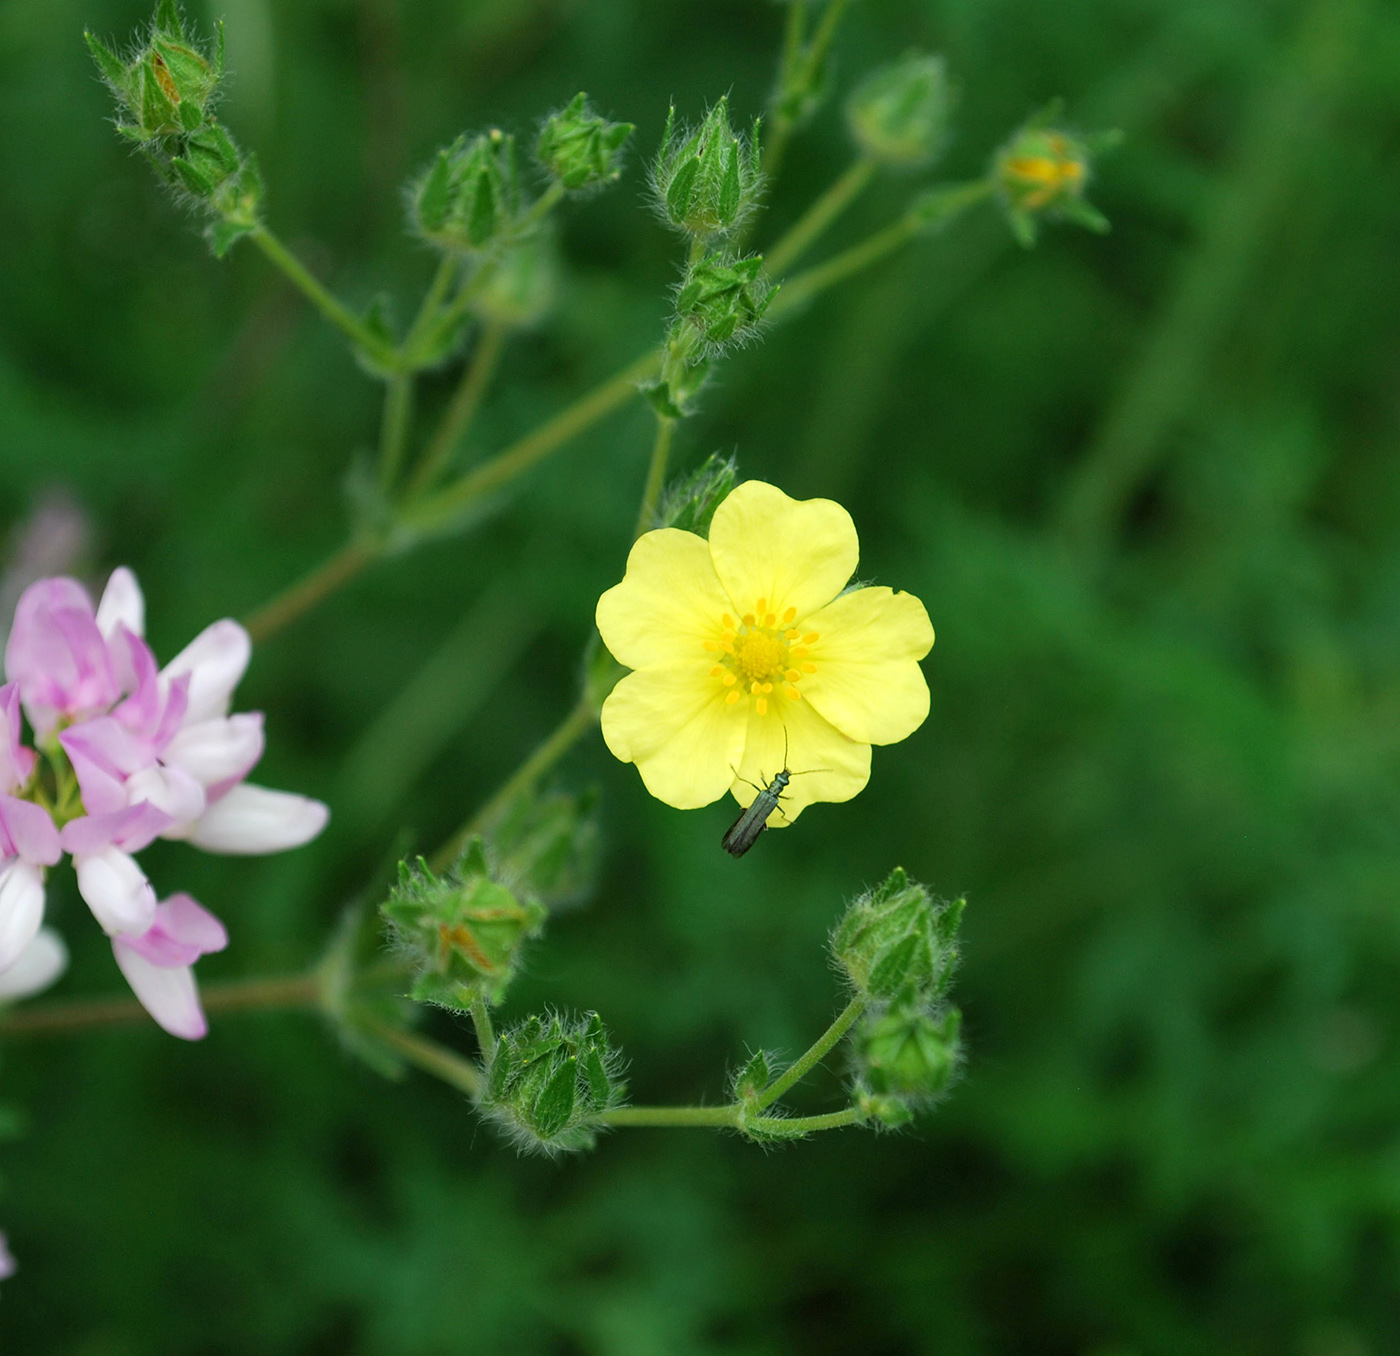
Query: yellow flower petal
[867, 682]
[674, 724]
[790, 553]
[825, 764]
[668, 604]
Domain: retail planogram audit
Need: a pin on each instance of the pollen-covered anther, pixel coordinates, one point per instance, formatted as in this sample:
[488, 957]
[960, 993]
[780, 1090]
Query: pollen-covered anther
[761, 706]
[789, 616]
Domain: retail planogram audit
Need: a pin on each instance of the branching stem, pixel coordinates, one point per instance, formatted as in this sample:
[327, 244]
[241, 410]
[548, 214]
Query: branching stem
[819, 1049]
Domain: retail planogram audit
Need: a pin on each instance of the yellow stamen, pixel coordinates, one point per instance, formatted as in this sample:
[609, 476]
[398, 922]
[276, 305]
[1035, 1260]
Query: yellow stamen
[717, 670]
[728, 621]
[730, 680]
[809, 668]
[811, 638]
[761, 706]
[769, 619]
[792, 635]
[762, 605]
[768, 687]
[794, 694]
[731, 699]
[711, 646]
[790, 616]
[797, 652]
[792, 675]
[750, 619]
[755, 689]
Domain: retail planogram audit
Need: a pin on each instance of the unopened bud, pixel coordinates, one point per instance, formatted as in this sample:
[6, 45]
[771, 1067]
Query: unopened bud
[468, 199]
[723, 300]
[580, 149]
[549, 1080]
[898, 937]
[689, 502]
[707, 179]
[899, 114]
[1042, 173]
[908, 1051]
[518, 288]
[461, 933]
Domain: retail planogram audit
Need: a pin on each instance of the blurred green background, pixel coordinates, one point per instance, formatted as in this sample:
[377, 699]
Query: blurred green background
[1147, 486]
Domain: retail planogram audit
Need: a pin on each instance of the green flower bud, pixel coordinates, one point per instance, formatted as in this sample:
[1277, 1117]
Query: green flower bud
[908, 1051]
[462, 933]
[548, 1081]
[723, 300]
[545, 846]
[899, 114]
[519, 287]
[707, 179]
[898, 937]
[468, 199]
[1042, 172]
[690, 501]
[580, 149]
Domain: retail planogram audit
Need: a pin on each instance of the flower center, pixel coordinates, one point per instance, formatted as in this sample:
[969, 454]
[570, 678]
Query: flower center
[761, 657]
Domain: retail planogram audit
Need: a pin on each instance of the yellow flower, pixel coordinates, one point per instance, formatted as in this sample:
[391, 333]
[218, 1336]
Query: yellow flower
[744, 646]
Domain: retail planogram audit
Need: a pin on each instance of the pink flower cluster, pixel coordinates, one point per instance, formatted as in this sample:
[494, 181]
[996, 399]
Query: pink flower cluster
[127, 752]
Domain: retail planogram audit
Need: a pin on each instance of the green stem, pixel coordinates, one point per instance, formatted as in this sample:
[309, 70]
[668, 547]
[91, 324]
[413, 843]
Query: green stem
[239, 995]
[465, 401]
[454, 1069]
[485, 1032]
[572, 728]
[820, 215]
[656, 472]
[803, 77]
[437, 510]
[671, 1116]
[933, 213]
[428, 311]
[393, 433]
[801, 1125]
[346, 321]
[820, 1048]
[272, 616]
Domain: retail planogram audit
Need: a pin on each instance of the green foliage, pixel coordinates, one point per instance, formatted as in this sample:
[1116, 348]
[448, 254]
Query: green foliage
[690, 501]
[549, 1079]
[1146, 485]
[899, 113]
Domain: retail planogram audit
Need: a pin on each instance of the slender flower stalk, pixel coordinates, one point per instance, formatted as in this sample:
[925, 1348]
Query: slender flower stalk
[656, 472]
[809, 227]
[466, 400]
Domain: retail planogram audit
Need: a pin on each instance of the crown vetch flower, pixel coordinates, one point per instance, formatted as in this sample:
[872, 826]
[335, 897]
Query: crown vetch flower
[128, 752]
[746, 646]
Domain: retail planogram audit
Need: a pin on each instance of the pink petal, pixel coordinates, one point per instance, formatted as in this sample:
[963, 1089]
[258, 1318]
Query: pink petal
[26, 831]
[133, 828]
[252, 820]
[216, 660]
[21, 910]
[104, 754]
[38, 967]
[171, 790]
[182, 932]
[57, 655]
[7, 1261]
[116, 890]
[16, 761]
[167, 993]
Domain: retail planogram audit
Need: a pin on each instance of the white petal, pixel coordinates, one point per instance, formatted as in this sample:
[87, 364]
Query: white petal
[215, 660]
[39, 965]
[21, 910]
[215, 750]
[122, 605]
[252, 820]
[116, 890]
[170, 789]
[169, 995]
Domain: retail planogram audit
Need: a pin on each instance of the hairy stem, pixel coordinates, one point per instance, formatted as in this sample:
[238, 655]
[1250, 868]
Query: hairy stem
[804, 232]
[476, 377]
[454, 1069]
[339, 315]
[820, 1048]
[709, 1116]
[656, 472]
[393, 433]
[485, 1032]
[572, 728]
